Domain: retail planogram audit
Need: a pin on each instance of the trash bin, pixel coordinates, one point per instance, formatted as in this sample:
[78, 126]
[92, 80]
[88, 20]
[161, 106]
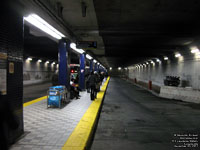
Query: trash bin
[56, 96]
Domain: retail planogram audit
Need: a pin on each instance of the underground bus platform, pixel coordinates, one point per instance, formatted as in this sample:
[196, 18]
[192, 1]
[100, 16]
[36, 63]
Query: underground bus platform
[55, 128]
[131, 118]
[153, 45]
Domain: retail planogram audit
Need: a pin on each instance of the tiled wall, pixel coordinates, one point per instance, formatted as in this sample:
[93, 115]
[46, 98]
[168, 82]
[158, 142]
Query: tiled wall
[11, 42]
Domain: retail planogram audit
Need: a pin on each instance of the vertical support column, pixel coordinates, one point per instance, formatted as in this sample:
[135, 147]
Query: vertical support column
[82, 72]
[101, 69]
[91, 65]
[95, 67]
[11, 51]
[63, 62]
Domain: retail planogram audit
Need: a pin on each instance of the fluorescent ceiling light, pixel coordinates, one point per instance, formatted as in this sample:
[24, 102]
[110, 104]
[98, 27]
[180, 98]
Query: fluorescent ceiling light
[53, 63]
[88, 57]
[29, 59]
[94, 61]
[147, 63]
[110, 68]
[165, 58]
[119, 68]
[47, 62]
[39, 60]
[196, 50]
[44, 26]
[152, 62]
[177, 55]
[73, 46]
[157, 60]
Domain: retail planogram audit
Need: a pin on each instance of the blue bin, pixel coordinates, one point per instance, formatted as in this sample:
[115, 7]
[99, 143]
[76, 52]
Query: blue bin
[55, 95]
[54, 100]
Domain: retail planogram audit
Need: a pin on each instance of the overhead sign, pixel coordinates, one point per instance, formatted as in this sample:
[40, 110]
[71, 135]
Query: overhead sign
[86, 44]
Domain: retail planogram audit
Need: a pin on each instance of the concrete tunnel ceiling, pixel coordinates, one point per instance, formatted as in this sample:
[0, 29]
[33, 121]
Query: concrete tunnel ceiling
[136, 30]
[38, 45]
[132, 31]
[85, 28]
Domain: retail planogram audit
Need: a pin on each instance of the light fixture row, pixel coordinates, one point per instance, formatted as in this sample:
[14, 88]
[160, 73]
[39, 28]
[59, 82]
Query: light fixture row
[39, 60]
[194, 50]
[81, 51]
[41, 24]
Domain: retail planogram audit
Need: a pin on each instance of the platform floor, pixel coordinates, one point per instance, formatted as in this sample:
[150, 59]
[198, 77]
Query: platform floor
[49, 129]
[134, 119]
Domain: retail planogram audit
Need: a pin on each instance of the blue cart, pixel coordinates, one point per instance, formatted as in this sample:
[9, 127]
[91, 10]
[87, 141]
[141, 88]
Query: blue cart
[56, 96]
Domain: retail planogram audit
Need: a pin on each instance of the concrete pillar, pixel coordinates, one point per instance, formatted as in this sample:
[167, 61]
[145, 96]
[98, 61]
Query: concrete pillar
[98, 67]
[11, 52]
[82, 72]
[64, 47]
[95, 67]
[91, 65]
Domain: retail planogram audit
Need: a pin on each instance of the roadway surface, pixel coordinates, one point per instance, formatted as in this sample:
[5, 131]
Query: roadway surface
[134, 119]
[35, 91]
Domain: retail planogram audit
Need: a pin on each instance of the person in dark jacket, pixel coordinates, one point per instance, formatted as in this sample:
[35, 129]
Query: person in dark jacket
[87, 82]
[92, 82]
[74, 92]
[7, 121]
[98, 82]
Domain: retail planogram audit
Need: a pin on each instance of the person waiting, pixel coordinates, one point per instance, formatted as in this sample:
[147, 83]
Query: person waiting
[74, 92]
[92, 81]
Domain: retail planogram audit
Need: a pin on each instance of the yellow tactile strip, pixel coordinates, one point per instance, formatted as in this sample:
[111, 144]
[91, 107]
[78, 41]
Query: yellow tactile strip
[80, 136]
[35, 101]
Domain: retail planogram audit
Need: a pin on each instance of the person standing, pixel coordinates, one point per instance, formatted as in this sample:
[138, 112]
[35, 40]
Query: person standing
[87, 82]
[92, 82]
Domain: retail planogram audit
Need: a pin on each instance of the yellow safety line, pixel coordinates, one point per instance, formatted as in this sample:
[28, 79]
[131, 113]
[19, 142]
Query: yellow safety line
[34, 101]
[80, 136]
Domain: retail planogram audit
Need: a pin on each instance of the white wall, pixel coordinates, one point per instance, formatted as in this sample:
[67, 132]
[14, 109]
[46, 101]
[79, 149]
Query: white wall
[37, 72]
[187, 67]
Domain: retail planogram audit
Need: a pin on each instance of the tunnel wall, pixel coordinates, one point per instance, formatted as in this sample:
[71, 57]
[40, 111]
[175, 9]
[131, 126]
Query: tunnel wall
[118, 73]
[187, 68]
[37, 72]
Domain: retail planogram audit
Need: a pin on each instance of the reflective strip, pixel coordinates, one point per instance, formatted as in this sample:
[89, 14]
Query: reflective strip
[80, 136]
[34, 101]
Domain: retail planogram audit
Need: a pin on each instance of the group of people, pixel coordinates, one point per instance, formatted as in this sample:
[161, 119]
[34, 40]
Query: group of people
[93, 83]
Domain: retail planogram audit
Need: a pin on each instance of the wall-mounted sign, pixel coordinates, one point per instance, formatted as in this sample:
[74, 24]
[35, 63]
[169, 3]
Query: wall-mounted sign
[11, 67]
[86, 44]
[3, 73]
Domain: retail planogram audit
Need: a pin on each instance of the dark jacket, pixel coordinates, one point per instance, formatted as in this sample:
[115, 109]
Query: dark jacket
[92, 80]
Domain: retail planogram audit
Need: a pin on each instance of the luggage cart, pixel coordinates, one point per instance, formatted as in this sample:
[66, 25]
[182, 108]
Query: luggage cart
[56, 96]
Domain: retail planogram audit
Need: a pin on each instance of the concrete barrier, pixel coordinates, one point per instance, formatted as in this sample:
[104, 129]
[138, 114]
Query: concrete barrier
[180, 93]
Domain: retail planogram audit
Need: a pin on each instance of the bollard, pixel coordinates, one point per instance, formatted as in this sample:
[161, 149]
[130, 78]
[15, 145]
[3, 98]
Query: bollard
[150, 85]
[135, 80]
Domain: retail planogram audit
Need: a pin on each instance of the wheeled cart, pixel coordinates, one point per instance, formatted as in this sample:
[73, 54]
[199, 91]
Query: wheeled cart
[57, 96]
